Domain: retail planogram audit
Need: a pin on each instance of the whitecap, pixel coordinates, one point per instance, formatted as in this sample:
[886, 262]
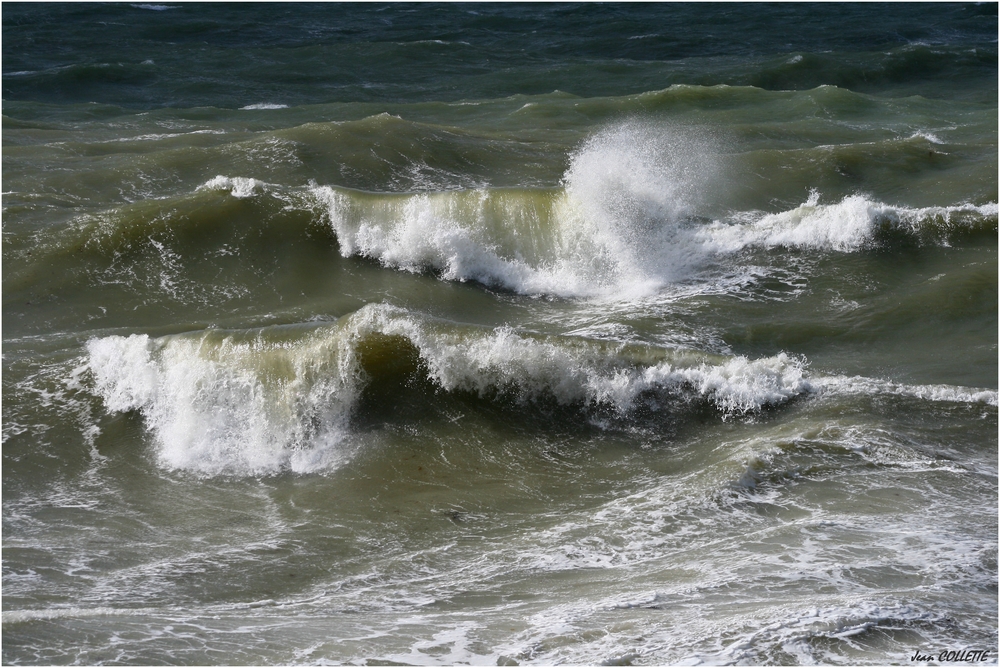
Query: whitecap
[238, 186]
[849, 225]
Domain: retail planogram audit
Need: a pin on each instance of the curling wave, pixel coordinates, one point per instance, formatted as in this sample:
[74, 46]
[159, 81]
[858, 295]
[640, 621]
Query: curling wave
[260, 401]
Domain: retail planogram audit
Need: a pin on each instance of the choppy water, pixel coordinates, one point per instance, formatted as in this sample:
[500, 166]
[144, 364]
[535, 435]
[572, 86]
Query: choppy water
[496, 334]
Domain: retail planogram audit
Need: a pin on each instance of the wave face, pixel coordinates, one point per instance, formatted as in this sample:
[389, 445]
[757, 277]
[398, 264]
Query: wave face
[236, 415]
[499, 334]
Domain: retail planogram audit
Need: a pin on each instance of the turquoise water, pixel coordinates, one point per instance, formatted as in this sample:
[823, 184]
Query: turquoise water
[499, 334]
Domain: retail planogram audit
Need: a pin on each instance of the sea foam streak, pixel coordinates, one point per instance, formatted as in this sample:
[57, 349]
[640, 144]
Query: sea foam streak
[257, 402]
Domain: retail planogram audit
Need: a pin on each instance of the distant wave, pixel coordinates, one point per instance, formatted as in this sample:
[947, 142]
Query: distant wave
[626, 222]
[609, 237]
[238, 186]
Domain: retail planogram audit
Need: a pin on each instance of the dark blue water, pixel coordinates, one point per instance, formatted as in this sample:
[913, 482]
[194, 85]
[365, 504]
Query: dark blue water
[142, 56]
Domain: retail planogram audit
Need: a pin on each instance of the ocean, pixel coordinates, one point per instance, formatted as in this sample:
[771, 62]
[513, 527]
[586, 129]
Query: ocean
[500, 334]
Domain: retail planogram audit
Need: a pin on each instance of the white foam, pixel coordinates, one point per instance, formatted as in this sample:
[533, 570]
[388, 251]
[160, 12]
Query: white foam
[238, 186]
[797, 631]
[22, 616]
[613, 229]
[224, 406]
[870, 386]
[929, 136]
[124, 375]
[848, 225]
[631, 188]
[264, 105]
[417, 232]
[579, 371]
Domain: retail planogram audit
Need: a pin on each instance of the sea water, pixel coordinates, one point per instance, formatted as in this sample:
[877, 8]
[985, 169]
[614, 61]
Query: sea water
[499, 334]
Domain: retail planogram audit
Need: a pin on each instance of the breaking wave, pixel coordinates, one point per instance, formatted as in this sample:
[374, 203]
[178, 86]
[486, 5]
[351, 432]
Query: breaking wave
[626, 222]
[630, 244]
[261, 401]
